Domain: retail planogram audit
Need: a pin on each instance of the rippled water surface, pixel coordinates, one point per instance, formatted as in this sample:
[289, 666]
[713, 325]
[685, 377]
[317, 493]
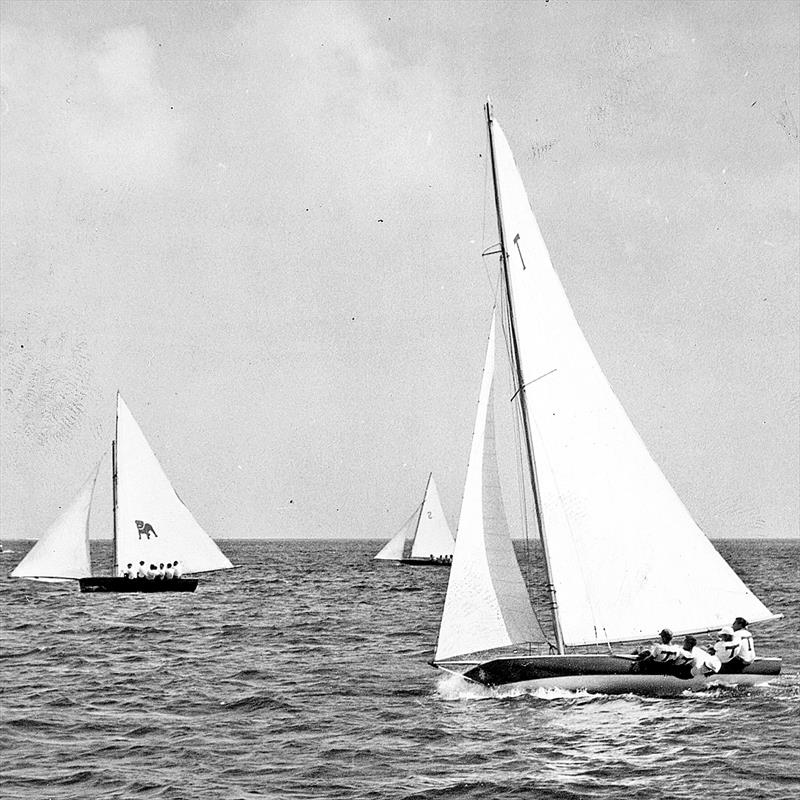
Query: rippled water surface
[303, 674]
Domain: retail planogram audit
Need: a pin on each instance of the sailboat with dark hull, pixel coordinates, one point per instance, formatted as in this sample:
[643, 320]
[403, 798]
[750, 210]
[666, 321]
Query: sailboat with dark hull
[431, 539]
[622, 556]
[151, 524]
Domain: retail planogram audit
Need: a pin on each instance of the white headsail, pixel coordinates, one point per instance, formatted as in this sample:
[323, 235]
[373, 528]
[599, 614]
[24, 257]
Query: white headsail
[63, 551]
[393, 549]
[625, 555]
[433, 537]
[153, 524]
[487, 604]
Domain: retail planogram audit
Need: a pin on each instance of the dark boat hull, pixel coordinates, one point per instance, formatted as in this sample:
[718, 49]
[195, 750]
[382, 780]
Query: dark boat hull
[425, 562]
[128, 586]
[609, 674]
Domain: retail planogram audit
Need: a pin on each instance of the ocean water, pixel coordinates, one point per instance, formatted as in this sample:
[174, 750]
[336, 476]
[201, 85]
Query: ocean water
[303, 674]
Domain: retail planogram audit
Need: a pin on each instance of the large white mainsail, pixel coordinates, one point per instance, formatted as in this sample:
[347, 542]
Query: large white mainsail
[487, 604]
[393, 549]
[625, 555]
[433, 537]
[153, 525]
[62, 553]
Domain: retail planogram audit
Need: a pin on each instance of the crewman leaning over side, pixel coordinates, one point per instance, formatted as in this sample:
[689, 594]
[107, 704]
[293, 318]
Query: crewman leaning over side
[703, 663]
[726, 648]
[664, 650]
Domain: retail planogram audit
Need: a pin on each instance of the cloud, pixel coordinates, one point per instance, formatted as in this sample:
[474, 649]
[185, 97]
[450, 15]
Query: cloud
[96, 112]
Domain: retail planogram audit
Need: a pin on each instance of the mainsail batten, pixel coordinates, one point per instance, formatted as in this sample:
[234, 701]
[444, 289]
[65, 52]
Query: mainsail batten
[487, 604]
[153, 524]
[603, 497]
[62, 552]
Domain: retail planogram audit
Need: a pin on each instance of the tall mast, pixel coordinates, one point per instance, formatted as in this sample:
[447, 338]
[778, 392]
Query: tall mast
[520, 389]
[114, 481]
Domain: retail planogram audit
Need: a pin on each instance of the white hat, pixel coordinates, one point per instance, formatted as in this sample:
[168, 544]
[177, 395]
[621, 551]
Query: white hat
[727, 629]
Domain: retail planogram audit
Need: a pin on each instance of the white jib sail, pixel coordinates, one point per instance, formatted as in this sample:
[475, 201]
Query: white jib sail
[153, 524]
[393, 549]
[626, 558]
[63, 551]
[433, 537]
[487, 604]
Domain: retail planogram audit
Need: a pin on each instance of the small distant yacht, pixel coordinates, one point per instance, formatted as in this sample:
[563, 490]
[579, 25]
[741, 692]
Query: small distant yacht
[151, 524]
[431, 541]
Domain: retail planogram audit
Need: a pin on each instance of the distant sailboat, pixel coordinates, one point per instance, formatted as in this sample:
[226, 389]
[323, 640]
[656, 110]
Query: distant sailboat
[432, 542]
[151, 524]
[623, 558]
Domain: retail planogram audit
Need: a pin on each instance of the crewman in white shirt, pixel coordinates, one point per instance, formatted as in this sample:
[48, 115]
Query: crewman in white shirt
[161, 572]
[663, 650]
[726, 648]
[142, 571]
[747, 651]
[128, 572]
[169, 573]
[177, 569]
[702, 663]
[151, 573]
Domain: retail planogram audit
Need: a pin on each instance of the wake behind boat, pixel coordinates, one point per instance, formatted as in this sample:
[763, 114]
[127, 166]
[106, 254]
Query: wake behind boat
[432, 541]
[152, 526]
[622, 555]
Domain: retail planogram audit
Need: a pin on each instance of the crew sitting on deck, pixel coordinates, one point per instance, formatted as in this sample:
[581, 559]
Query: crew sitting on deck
[169, 573]
[129, 572]
[663, 650]
[726, 648]
[176, 569]
[702, 663]
[747, 650]
[142, 571]
[161, 572]
[151, 573]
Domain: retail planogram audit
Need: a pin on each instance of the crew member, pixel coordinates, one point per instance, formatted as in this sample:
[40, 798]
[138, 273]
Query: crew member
[663, 650]
[747, 651]
[702, 663]
[726, 648]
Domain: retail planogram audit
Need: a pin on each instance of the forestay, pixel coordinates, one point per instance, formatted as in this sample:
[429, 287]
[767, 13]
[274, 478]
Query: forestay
[63, 550]
[393, 549]
[153, 525]
[625, 555]
[433, 537]
[487, 604]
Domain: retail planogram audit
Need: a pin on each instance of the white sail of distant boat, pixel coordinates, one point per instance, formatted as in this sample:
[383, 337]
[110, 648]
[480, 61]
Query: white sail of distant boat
[432, 541]
[394, 549]
[62, 552]
[623, 557]
[151, 525]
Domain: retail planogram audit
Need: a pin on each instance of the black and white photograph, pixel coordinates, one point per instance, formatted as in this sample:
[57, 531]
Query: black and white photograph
[399, 399]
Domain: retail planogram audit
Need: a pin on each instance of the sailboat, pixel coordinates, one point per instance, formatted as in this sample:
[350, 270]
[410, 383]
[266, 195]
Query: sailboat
[151, 525]
[432, 541]
[622, 556]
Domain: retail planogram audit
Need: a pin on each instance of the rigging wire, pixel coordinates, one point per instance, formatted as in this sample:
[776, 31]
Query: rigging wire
[518, 436]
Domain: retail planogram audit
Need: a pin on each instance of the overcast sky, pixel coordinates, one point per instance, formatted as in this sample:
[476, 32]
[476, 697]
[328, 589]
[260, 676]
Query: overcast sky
[262, 223]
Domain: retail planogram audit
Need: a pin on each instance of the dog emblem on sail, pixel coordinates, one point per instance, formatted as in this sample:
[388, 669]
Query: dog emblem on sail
[145, 529]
